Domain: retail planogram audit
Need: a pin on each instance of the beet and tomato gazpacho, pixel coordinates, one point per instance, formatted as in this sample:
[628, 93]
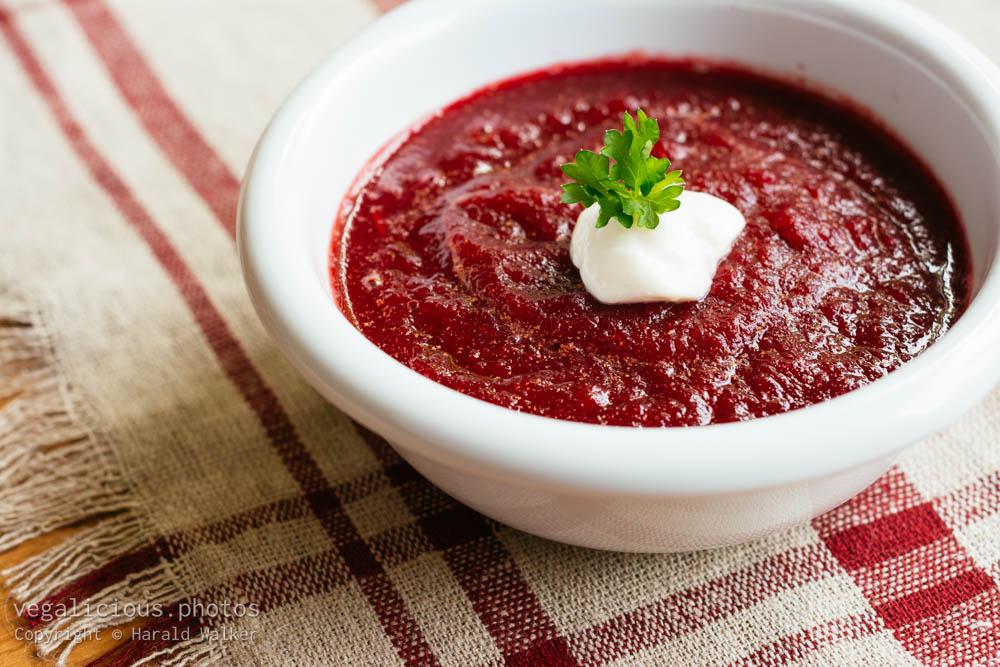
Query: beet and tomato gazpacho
[453, 256]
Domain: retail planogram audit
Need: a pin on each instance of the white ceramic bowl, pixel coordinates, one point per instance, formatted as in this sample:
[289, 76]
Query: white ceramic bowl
[630, 489]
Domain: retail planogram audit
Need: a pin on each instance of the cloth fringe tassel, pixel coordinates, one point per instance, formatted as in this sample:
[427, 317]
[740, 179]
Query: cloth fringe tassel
[56, 470]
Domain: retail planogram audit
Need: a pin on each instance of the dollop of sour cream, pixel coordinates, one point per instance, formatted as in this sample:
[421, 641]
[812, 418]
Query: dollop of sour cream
[674, 262]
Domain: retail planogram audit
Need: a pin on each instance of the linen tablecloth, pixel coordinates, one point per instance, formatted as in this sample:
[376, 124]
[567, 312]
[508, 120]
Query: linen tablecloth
[239, 519]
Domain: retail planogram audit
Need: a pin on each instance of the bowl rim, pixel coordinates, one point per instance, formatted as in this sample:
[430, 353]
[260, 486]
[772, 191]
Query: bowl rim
[416, 413]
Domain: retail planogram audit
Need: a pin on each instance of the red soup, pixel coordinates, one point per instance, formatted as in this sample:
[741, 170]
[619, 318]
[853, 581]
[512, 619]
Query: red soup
[453, 256]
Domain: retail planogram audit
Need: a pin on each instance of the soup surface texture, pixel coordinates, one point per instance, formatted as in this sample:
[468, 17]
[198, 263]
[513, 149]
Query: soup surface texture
[453, 254]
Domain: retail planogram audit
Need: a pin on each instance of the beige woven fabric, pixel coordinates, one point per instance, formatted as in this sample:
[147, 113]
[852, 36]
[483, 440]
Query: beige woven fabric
[124, 322]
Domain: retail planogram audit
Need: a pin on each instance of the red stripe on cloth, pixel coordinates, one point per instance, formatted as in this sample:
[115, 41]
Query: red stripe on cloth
[796, 647]
[177, 137]
[869, 544]
[220, 532]
[278, 585]
[881, 583]
[695, 608]
[504, 601]
[966, 635]
[386, 602]
[486, 571]
[279, 511]
[935, 600]
[951, 576]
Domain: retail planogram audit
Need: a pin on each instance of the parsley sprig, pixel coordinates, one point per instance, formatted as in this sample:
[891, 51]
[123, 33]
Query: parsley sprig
[637, 187]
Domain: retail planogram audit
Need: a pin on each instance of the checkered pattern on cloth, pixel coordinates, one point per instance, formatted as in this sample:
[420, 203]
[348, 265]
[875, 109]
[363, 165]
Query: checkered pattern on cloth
[223, 479]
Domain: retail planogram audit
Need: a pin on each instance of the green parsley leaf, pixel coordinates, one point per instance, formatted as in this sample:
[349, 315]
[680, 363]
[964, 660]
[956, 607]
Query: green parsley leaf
[634, 190]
